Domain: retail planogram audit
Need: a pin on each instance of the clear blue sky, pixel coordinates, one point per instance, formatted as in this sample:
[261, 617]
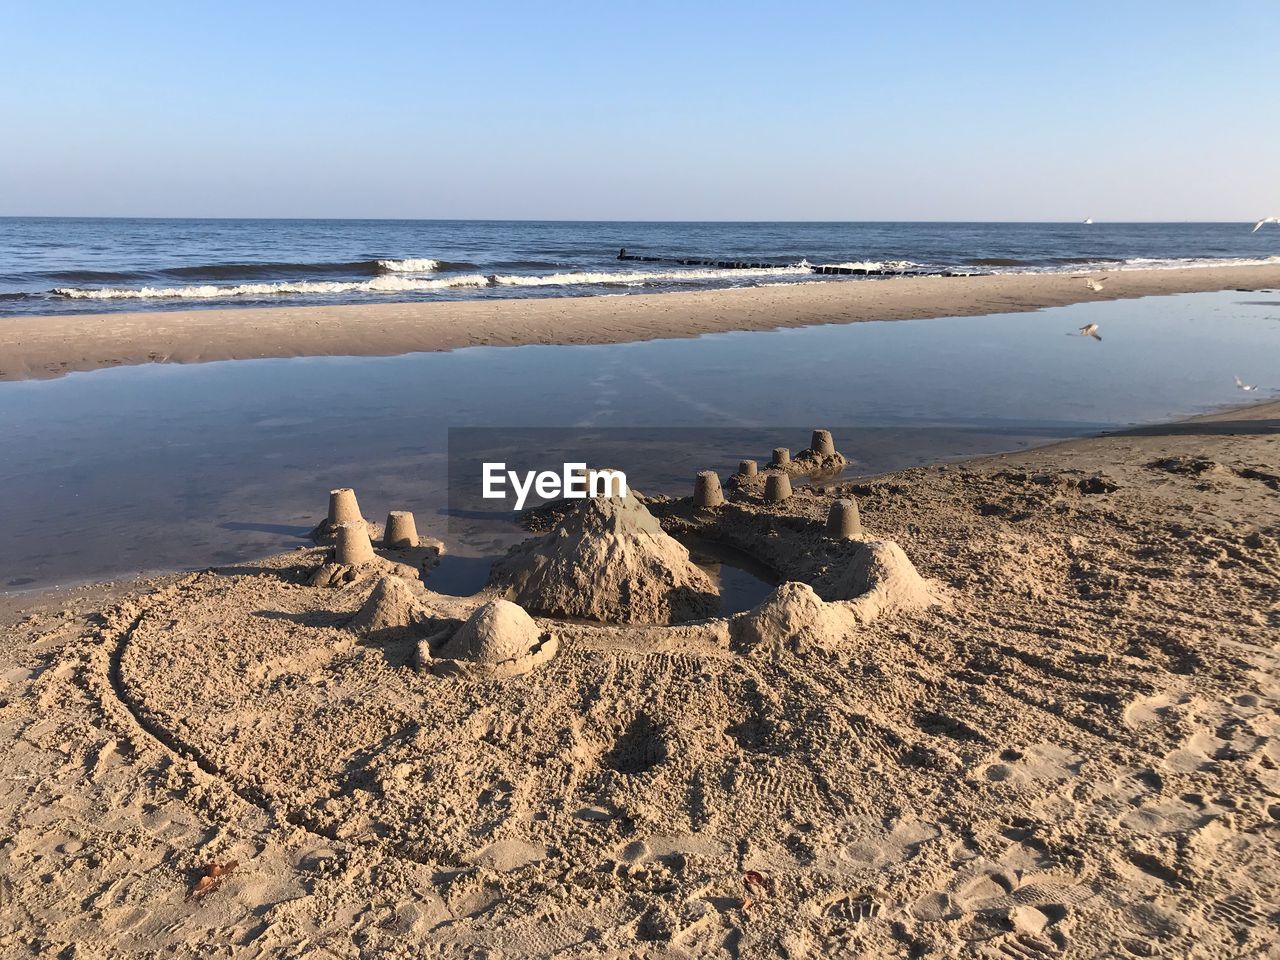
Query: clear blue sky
[642, 110]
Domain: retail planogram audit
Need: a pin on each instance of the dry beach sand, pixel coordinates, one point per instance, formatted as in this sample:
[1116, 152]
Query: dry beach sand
[39, 347]
[1042, 725]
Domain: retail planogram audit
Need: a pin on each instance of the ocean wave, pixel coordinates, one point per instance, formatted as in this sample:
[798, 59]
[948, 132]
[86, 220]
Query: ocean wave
[880, 266]
[1150, 263]
[410, 265]
[641, 277]
[281, 270]
[94, 276]
[404, 282]
[1056, 265]
[527, 265]
[398, 283]
[260, 271]
[387, 284]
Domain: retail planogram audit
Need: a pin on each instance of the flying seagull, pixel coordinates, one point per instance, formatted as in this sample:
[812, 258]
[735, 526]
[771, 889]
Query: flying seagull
[1246, 387]
[1090, 330]
[1265, 220]
[1095, 285]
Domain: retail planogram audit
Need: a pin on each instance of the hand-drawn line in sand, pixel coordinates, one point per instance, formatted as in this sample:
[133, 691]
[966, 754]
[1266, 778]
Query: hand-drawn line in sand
[134, 720]
[115, 637]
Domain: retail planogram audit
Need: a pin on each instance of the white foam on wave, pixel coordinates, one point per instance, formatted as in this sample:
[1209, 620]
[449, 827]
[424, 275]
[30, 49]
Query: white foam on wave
[639, 277]
[387, 284]
[879, 265]
[1136, 263]
[395, 283]
[1173, 263]
[409, 265]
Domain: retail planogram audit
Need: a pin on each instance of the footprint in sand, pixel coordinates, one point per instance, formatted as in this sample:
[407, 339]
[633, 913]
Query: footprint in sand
[1134, 785]
[848, 908]
[1153, 709]
[1171, 815]
[1038, 762]
[1015, 915]
[1199, 752]
[879, 847]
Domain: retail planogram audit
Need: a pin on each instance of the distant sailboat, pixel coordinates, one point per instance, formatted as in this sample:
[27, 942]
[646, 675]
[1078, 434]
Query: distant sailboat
[1088, 219]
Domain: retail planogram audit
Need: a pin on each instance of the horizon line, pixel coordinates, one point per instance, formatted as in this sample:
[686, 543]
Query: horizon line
[1090, 222]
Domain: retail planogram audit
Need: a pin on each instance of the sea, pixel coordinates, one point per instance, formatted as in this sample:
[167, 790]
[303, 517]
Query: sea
[52, 266]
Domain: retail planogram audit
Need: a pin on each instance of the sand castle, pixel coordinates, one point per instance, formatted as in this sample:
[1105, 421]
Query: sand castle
[393, 606]
[609, 560]
[353, 557]
[496, 639]
[819, 459]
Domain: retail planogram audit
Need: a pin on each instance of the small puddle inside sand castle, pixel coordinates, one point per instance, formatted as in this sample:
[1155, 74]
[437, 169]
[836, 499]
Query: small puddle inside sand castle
[164, 467]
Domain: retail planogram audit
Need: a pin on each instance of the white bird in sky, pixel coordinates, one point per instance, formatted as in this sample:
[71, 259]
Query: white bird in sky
[1090, 330]
[1245, 386]
[1265, 220]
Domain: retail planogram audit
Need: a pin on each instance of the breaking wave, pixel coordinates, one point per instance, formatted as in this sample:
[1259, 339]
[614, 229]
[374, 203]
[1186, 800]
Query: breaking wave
[402, 276]
[878, 266]
[641, 277]
[396, 283]
[263, 271]
[411, 265]
[387, 284]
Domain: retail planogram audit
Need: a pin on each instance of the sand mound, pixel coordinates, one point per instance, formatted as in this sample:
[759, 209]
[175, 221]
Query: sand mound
[499, 640]
[796, 616]
[881, 579]
[334, 574]
[608, 560]
[393, 605]
[815, 463]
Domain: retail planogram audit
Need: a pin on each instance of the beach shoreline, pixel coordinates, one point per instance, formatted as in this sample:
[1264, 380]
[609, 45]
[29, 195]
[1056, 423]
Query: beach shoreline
[44, 347]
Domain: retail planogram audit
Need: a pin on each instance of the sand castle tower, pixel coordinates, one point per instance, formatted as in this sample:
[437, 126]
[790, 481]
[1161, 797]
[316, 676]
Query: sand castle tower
[401, 530]
[343, 508]
[608, 560]
[706, 490]
[777, 487]
[843, 521]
